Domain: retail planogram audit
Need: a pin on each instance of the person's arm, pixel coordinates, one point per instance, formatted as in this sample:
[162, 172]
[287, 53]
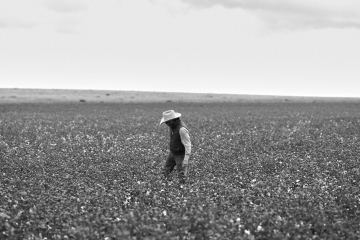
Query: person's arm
[185, 140]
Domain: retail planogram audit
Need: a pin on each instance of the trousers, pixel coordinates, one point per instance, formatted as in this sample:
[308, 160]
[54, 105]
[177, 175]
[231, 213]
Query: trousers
[172, 161]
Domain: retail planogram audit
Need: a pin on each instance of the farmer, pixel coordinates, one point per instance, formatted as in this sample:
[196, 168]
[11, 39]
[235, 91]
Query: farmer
[180, 145]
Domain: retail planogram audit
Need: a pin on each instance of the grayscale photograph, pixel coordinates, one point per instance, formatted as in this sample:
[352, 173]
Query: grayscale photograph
[179, 119]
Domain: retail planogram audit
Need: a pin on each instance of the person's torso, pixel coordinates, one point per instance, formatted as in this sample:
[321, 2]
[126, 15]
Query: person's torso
[176, 146]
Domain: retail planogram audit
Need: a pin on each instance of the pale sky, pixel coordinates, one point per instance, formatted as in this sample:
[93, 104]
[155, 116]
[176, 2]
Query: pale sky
[266, 47]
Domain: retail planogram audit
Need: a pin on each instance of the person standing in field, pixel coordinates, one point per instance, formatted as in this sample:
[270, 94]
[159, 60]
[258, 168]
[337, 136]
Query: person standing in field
[180, 145]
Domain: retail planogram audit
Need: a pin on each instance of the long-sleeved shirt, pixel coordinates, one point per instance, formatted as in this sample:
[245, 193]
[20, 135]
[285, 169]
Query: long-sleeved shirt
[185, 140]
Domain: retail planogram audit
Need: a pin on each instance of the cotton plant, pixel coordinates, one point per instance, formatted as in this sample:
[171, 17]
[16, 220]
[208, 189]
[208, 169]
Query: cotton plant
[4, 147]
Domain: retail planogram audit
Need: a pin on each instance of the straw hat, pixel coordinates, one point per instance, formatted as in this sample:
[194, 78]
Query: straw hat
[168, 115]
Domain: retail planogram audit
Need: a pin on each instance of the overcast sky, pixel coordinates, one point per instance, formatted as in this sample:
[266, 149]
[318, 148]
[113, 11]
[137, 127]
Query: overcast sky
[271, 47]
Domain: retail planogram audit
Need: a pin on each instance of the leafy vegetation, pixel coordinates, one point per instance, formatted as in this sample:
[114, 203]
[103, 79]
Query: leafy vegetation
[258, 171]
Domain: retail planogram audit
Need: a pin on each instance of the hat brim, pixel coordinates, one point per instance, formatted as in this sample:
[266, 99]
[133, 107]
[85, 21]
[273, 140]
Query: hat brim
[177, 115]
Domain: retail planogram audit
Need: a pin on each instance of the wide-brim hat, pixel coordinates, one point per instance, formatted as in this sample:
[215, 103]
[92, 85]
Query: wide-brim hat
[169, 115]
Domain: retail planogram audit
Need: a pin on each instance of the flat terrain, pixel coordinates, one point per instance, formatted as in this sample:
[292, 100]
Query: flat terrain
[56, 95]
[257, 171]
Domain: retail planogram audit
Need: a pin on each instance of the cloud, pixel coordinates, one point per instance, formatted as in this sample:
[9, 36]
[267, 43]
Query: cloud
[295, 14]
[13, 23]
[66, 6]
[68, 23]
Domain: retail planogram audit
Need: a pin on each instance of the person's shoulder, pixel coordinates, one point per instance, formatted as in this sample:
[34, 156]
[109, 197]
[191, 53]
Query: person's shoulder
[182, 124]
[184, 129]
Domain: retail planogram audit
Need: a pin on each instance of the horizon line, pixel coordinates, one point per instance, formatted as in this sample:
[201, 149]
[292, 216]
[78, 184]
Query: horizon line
[182, 92]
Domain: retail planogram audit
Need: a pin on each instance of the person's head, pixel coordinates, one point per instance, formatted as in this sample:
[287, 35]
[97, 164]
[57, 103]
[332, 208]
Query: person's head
[170, 118]
[172, 123]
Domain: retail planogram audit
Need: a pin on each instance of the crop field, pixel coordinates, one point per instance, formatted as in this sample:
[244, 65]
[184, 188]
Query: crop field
[257, 171]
